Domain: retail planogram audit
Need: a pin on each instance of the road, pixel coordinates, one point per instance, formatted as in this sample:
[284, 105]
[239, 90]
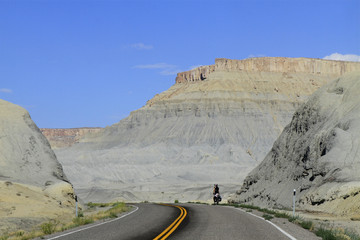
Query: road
[218, 222]
[201, 222]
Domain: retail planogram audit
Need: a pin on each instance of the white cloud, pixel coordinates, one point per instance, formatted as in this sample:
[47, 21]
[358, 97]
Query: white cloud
[5, 90]
[343, 57]
[166, 69]
[156, 66]
[194, 66]
[170, 71]
[256, 55]
[141, 46]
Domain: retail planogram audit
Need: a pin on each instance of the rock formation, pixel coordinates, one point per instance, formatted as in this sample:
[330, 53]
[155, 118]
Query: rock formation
[318, 154]
[213, 126]
[33, 186]
[270, 64]
[59, 138]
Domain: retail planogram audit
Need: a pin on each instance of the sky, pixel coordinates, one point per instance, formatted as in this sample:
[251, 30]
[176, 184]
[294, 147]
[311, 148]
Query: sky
[89, 63]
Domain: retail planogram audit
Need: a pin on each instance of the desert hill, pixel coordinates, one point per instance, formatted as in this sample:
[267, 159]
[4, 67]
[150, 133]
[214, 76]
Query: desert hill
[33, 186]
[318, 154]
[214, 125]
[66, 137]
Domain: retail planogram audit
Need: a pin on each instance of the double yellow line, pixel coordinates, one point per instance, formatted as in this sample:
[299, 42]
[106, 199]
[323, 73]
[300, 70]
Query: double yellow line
[170, 229]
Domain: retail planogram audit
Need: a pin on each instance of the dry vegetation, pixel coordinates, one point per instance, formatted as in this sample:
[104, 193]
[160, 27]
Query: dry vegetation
[54, 225]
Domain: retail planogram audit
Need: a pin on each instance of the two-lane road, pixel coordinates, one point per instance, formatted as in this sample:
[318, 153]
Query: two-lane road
[217, 222]
[147, 222]
[200, 222]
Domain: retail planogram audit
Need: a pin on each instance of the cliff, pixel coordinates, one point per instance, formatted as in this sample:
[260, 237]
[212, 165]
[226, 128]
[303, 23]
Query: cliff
[317, 154]
[270, 64]
[59, 138]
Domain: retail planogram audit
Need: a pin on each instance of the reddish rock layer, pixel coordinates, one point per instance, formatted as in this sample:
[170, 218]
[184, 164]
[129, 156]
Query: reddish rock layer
[59, 138]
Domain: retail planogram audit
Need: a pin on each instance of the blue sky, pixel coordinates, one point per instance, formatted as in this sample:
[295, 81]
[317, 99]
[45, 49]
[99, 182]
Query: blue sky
[90, 63]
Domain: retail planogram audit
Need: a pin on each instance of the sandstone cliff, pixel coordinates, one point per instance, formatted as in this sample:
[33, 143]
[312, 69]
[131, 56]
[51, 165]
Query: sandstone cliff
[318, 154]
[59, 138]
[33, 186]
[213, 126]
[270, 64]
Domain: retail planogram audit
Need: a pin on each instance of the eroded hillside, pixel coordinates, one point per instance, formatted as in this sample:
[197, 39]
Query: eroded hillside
[33, 186]
[214, 125]
[317, 154]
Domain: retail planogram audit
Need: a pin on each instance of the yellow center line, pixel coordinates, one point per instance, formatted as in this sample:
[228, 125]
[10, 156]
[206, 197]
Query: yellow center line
[175, 227]
[170, 229]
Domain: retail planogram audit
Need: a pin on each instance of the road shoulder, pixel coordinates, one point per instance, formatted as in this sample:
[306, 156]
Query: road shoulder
[293, 229]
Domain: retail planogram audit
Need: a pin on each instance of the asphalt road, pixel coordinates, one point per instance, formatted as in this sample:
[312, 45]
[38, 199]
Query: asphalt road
[201, 222]
[145, 223]
[218, 222]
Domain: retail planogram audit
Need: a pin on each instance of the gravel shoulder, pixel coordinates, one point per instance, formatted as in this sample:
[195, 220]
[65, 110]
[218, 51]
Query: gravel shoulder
[331, 221]
[291, 228]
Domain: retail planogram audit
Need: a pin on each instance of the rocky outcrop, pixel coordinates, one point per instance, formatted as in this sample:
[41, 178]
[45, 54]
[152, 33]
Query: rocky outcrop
[191, 136]
[197, 74]
[318, 154]
[270, 64]
[60, 137]
[32, 182]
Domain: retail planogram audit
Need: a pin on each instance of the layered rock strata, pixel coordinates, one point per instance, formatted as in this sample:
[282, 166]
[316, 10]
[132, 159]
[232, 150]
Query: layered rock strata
[213, 126]
[33, 186]
[318, 154]
[60, 137]
[270, 64]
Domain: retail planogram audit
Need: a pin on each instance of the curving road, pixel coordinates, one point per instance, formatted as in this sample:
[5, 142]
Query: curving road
[201, 222]
[147, 222]
[217, 222]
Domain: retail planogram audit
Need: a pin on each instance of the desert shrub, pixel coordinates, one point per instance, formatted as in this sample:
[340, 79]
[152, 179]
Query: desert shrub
[306, 224]
[282, 215]
[268, 211]
[267, 217]
[117, 207]
[325, 234]
[295, 219]
[345, 234]
[19, 233]
[8, 183]
[49, 227]
[4, 237]
[352, 234]
[91, 204]
[248, 206]
[79, 221]
[176, 201]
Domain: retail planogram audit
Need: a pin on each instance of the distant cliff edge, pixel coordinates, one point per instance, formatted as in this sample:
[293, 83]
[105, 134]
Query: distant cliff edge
[65, 137]
[270, 64]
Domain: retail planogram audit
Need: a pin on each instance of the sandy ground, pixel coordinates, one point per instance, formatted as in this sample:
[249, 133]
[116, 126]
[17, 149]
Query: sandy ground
[22, 207]
[330, 221]
[318, 218]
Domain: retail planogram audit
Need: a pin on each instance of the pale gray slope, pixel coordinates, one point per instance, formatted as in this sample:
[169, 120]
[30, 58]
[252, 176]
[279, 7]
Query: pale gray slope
[214, 125]
[33, 186]
[188, 138]
[25, 154]
[318, 154]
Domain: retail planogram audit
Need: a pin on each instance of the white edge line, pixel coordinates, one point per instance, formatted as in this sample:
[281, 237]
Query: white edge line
[285, 233]
[137, 208]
